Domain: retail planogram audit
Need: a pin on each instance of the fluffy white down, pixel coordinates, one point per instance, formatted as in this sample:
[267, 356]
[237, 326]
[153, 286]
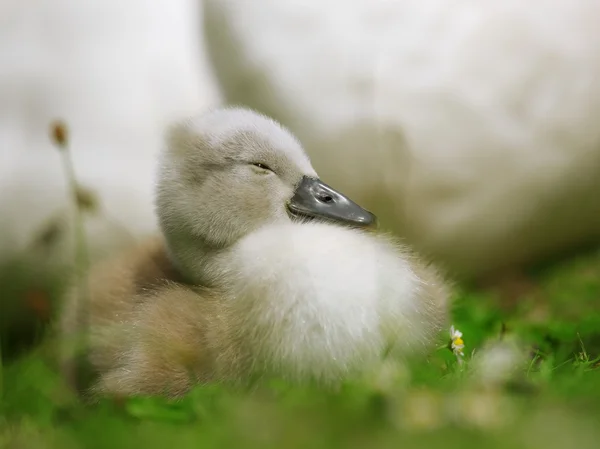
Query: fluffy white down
[317, 301]
[470, 127]
[117, 73]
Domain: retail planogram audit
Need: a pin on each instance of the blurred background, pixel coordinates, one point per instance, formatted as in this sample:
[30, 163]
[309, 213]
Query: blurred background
[470, 128]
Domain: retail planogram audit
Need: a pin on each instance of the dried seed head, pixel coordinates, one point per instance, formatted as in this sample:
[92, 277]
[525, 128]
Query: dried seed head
[59, 134]
[86, 199]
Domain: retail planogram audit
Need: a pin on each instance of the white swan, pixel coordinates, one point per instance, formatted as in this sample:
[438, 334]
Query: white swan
[469, 127]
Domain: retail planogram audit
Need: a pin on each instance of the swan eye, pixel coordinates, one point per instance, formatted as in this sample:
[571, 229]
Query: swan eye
[262, 166]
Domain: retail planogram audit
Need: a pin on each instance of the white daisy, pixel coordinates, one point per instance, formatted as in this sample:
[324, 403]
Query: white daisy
[457, 344]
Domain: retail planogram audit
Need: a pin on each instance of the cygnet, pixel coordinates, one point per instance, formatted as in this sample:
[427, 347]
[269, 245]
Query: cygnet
[262, 270]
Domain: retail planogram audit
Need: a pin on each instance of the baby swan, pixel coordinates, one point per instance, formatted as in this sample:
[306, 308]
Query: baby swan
[262, 270]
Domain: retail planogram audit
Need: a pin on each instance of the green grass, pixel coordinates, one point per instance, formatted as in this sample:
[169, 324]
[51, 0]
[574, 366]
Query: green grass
[551, 399]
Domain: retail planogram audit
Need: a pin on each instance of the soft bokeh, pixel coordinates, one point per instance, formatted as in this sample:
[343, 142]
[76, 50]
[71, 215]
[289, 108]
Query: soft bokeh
[469, 127]
[116, 73]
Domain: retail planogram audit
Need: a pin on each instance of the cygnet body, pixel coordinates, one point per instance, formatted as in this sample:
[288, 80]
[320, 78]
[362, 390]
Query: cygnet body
[262, 271]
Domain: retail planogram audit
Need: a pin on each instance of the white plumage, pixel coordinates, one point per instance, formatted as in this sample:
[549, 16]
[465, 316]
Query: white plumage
[324, 302]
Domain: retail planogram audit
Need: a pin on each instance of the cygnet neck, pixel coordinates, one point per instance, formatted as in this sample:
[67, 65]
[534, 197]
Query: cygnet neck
[196, 260]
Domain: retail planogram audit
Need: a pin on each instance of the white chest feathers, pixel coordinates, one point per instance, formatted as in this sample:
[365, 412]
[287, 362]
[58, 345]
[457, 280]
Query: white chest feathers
[320, 301]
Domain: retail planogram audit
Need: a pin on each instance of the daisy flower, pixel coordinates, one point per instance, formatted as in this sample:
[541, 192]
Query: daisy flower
[456, 343]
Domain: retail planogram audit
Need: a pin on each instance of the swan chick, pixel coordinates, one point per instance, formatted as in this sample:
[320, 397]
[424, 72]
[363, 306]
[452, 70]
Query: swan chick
[261, 270]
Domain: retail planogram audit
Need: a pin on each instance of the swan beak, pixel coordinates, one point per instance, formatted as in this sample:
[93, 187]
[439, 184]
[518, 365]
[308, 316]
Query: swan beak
[313, 199]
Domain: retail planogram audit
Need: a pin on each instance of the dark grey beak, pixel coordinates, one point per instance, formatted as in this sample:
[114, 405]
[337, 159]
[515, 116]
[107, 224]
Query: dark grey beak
[316, 200]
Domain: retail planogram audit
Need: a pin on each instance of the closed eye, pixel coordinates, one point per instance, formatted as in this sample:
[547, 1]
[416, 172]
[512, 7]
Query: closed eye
[263, 166]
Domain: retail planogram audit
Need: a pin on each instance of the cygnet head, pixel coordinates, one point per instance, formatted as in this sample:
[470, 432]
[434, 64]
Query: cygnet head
[226, 173]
